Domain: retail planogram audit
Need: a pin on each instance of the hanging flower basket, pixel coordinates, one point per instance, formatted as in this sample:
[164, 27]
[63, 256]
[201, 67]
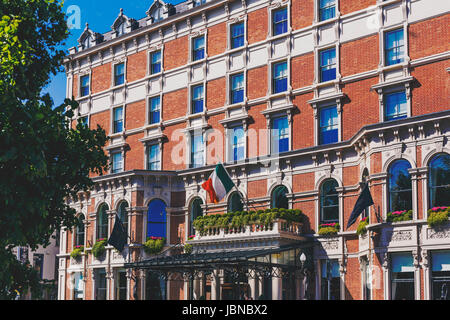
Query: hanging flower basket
[154, 245]
[99, 248]
[397, 216]
[362, 227]
[438, 216]
[76, 253]
[329, 229]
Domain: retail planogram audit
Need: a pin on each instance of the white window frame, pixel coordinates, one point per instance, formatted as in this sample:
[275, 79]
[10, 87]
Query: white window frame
[113, 78]
[89, 75]
[149, 106]
[230, 25]
[112, 133]
[283, 5]
[191, 96]
[159, 48]
[229, 88]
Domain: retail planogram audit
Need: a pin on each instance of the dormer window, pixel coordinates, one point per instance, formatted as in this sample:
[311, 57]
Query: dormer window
[157, 15]
[120, 29]
[87, 43]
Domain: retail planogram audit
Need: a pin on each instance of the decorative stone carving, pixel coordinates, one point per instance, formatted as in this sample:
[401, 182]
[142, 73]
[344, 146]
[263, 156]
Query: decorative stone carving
[331, 244]
[438, 233]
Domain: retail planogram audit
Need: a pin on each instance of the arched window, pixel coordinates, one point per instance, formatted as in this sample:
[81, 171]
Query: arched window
[279, 199]
[235, 202]
[364, 181]
[439, 181]
[156, 219]
[400, 188]
[79, 231]
[102, 222]
[195, 211]
[329, 202]
[123, 214]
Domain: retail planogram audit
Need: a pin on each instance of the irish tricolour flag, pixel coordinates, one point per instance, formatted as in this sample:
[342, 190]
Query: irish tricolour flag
[219, 184]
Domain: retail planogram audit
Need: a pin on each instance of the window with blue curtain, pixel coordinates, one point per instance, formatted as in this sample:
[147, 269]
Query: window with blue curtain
[197, 99]
[237, 35]
[394, 47]
[400, 187]
[280, 135]
[280, 21]
[102, 222]
[395, 106]
[439, 181]
[329, 125]
[195, 211]
[155, 58]
[237, 88]
[440, 275]
[156, 219]
[117, 162]
[84, 81]
[154, 162]
[402, 276]
[327, 9]
[330, 280]
[328, 65]
[329, 202]
[235, 202]
[280, 77]
[118, 119]
[197, 150]
[119, 74]
[279, 199]
[237, 139]
[155, 110]
[199, 48]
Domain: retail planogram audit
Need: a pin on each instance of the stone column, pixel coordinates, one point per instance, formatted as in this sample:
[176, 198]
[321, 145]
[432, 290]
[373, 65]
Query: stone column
[276, 285]
[254, 287]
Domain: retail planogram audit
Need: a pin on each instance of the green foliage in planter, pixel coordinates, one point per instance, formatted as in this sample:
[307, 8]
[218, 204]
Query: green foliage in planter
[99, 248]
[154, 245]
[329, 229]
[76, 253]
[397, 216]
[362, 227]
[241, 219]
[188, 248]
[438, 216]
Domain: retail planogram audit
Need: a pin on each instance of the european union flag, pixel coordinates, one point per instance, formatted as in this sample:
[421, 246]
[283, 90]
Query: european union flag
[365, 200]
[118, 238]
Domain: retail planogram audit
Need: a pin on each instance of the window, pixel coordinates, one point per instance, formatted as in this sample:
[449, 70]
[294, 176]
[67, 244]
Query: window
[199, 48]
[156, 219]
[440, 275]
[117, 162]
[197, 99]
[119, 74]
[121, 29]
[329, 202]
[38, 264]
[155, 110]
[84, 85]
[327, 9]
[79, 233]
[155, 287]
[237, 142]
[123, 214]
[199, 2]
[154, 162]
[280, 77]
[280, 135]
[394, 47]
[155, 62]
[330, 280]
[280, 21]
[327, 65]
[102, 222]
[121, 285]
[196, 150]
[100, 284]
[329, 127]
[78, 290]
[279, 199]
[402, 276]
[439, 181]
[118, 120]
[395, 106]
[235, 202]
[237, 35]
[400, 187]
[84, 121]
[196, 211]
[237, 88]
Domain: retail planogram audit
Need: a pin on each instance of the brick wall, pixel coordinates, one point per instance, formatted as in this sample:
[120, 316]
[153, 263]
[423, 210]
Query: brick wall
[217, 39]
[216, 93]
[176, 53]
[348, 6]
[257, 25]
[101, 78]
[359, 55]
[302, 71]
[137, 66]
[302, 13]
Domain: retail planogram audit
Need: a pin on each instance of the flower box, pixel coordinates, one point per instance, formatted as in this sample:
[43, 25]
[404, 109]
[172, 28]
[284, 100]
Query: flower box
[329, 229]
[76, 253]
[362, 227]
[438, 216]
[98, 249]
[397, 216]
[154, 245]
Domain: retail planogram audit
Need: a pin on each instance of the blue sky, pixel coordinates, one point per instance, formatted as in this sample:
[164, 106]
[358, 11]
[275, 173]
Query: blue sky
[100, 14]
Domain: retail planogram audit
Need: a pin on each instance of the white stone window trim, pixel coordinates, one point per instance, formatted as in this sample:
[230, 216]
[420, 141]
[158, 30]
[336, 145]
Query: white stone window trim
[192, 37]
[317, 22]
[275, 7]
[271, 114]
[189, 132]
[148, 106]
[382, 32]
[270, 74]
[229, 87]
[81, 75]
[113, 134]
[150, 51]
[340, 191]
[114, 149]
[230, 24]
[113, 72]
[317, 69]
[148, 144]
[229, 126]
[191, 86]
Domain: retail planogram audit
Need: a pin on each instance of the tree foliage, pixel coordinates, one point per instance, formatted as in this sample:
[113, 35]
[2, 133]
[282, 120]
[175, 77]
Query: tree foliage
[43, 159]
